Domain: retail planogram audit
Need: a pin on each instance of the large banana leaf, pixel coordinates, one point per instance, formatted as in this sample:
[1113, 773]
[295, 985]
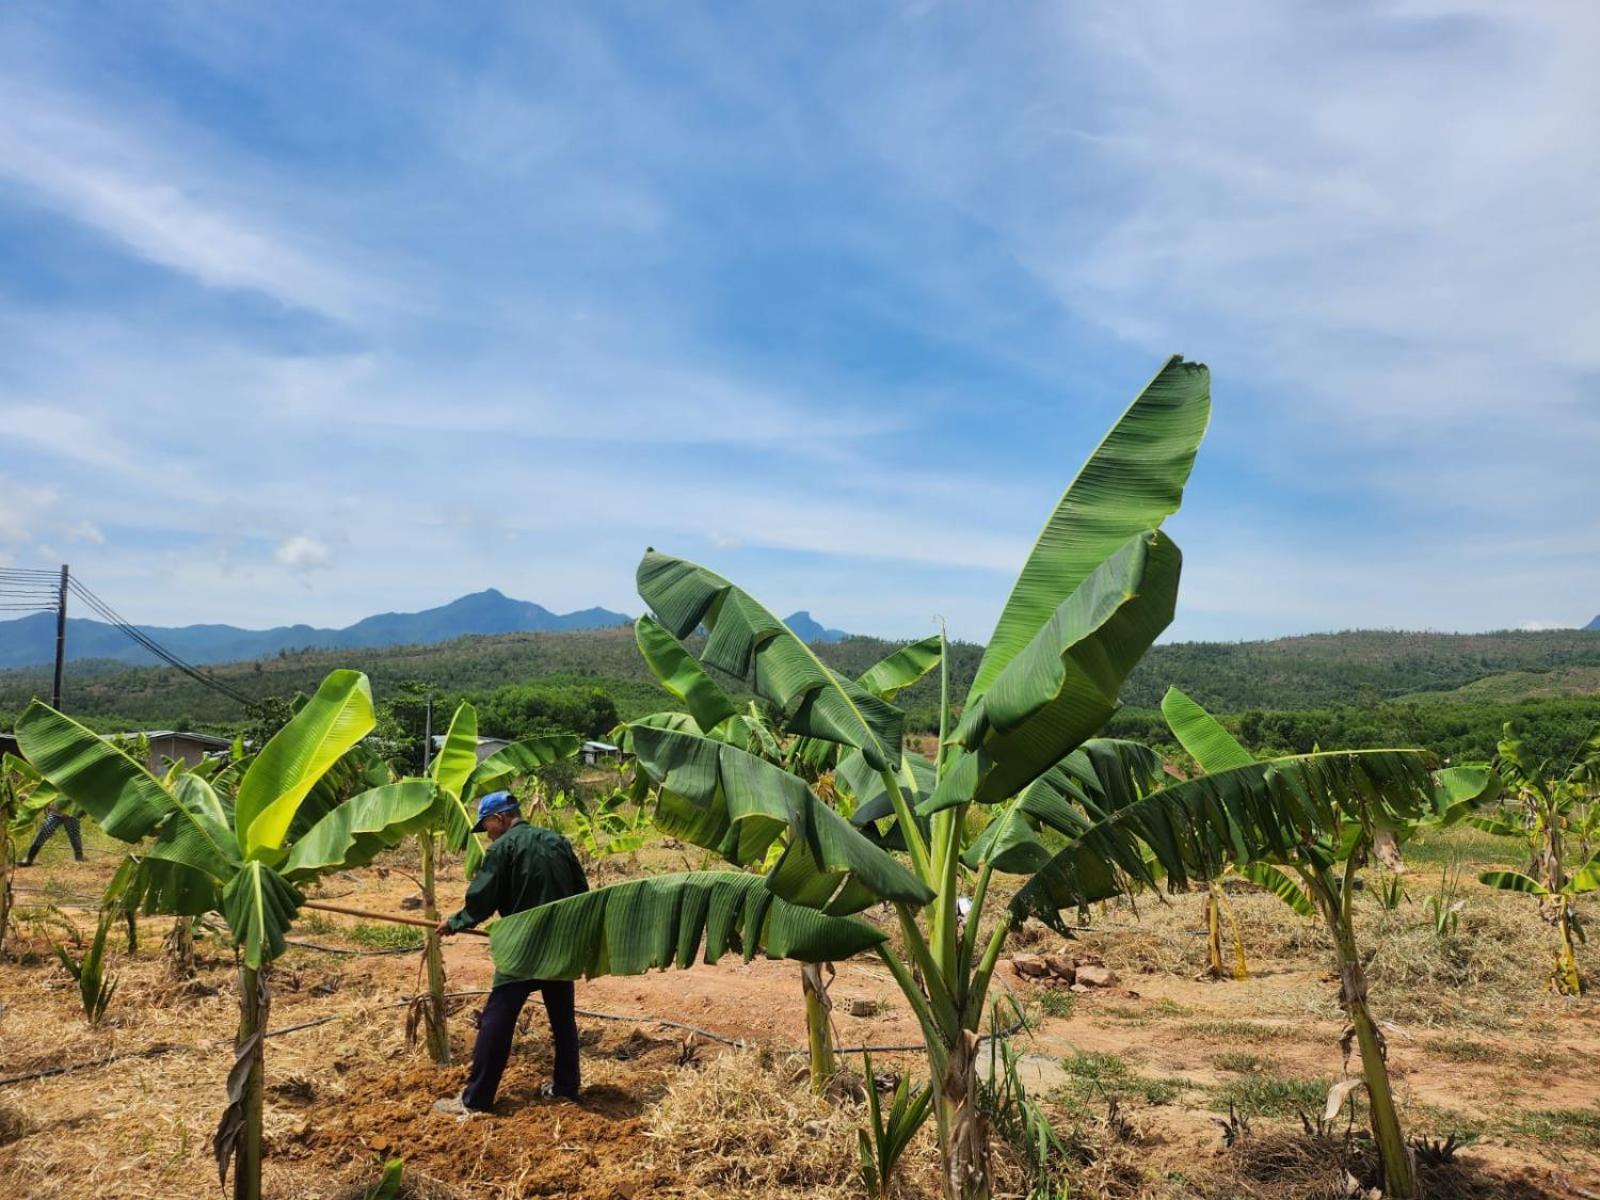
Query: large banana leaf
[458, 755]
[260, 905]
[891, 675]
[677, 671]
[352, 834]
[886, 679]
[1462, 790]
[1281, 884]
[196, 835]
[916, 776]
[122, 797]
[668, 920]
[452, 773]
[1132, 482]
[1513, 881]
[748, 642]
[520, 758]
[1263, 811]
[873, 806]
[1202, 735]
[330, 723]
[171, 888]
[1586, 879]
[1062, 687]
[725, 798]
[1101, 776]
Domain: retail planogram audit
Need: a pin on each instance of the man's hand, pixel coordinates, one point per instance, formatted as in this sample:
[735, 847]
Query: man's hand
[443, 928]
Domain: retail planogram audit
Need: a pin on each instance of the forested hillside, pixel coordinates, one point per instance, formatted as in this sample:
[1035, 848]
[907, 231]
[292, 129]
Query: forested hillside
[1448, 691]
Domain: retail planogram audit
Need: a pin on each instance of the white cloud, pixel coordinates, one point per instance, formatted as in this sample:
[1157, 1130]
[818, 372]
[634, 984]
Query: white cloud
[24, 509]
[303, 554]
[86, 531]
[161, 206]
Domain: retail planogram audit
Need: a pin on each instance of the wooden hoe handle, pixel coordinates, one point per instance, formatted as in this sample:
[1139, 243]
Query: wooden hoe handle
[420, 922]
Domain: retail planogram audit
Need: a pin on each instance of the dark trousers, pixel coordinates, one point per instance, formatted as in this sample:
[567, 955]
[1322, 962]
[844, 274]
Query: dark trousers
[499, 1023]
[54, 820]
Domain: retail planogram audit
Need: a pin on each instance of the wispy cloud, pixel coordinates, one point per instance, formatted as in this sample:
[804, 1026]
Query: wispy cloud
[160, 205]
[838, 303]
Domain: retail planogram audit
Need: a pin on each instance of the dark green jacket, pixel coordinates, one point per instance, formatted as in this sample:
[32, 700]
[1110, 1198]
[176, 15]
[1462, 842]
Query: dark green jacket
[527, 865]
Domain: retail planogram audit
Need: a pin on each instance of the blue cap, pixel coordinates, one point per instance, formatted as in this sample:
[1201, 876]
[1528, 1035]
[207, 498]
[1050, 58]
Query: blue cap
[494, 802]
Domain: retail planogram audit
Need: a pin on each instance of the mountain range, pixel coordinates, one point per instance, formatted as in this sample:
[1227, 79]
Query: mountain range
[30, 641]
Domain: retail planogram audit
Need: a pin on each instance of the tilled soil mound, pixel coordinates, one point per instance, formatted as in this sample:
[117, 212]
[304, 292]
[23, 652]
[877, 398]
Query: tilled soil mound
[594, 1148]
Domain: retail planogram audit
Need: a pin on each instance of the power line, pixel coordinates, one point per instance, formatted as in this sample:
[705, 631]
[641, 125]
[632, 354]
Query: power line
[25, 590]
[99, 606]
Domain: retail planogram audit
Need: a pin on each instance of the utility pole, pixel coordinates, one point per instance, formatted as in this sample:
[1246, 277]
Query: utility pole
[427, 734]
[61, 641]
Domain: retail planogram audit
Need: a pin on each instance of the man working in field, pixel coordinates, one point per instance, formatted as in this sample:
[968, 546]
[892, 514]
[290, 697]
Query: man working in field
[525, 866]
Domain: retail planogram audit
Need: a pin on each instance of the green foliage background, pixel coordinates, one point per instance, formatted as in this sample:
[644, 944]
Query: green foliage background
[1448, 692]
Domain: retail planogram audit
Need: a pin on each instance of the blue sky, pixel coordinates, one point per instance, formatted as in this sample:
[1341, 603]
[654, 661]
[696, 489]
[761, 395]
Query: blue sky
[314, 311]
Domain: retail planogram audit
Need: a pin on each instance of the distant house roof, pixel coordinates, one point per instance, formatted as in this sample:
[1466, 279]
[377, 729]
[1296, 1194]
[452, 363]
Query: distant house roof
[486, 745]
[601, 748]
[204, 739]
[438, 741]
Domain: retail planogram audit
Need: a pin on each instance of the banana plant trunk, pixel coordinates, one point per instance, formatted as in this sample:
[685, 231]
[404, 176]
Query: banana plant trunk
[1394, 1156]
[437, 1032]
[252, 1021]
[180, 949]
[1568, 981]
[7, 861]
[1565, 979]
[1217, 911]
[963, 1128]
[1214, 935]
[819, 1026]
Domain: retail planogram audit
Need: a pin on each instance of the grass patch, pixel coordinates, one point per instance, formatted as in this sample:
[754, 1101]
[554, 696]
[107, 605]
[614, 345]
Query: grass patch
[1240, 1061]
[1430, 1120]
[1466, 1049]
[1236, 1031]
[1127, 1014]
[1569, 1126]
[1057, 1002]
[1437, 847]
[387, 937]
[1270, 1095]
[313, 922]
[1094, 1076]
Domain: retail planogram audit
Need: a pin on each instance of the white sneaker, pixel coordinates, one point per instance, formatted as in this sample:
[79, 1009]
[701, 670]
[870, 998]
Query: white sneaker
[454, 1107]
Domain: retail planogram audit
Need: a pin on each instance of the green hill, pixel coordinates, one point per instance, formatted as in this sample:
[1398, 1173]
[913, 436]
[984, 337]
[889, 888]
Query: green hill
[1361, 667]
[1448, 691]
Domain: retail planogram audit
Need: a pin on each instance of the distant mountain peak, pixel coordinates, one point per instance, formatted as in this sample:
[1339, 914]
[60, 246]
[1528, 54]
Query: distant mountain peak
[30, 641]
[808, 629]
[1594, 625]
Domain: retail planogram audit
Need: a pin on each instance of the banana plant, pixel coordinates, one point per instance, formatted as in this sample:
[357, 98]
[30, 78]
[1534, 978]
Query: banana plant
[1547, 800]
[88, 971]
[714, 714]
[205, 852]
[459, 779]
[880, 1145]
[24, 794]
[1316, 872]
[1098, 587]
